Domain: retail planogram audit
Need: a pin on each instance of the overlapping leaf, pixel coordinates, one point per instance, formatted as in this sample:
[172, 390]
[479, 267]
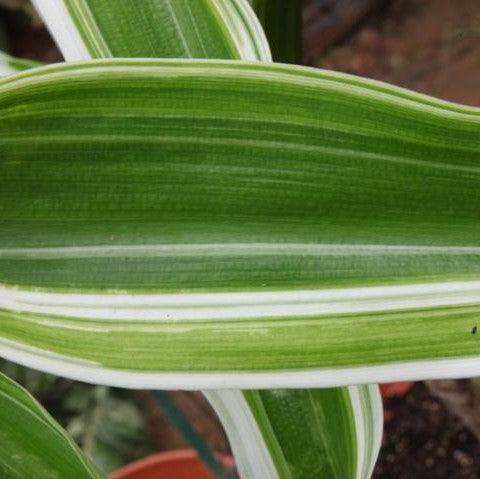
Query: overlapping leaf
[151, 28]
[32, 444]
[325, 433]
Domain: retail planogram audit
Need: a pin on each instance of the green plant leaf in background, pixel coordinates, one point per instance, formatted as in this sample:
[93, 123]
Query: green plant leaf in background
[267, 265]
[31, 442]
[169, 28]
[108, 424]
[9, 64]
[282, 22]
[339, 437]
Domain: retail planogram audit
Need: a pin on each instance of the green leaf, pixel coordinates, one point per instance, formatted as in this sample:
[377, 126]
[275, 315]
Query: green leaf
[32, 444]
[324, 433]
[144, 49]
[110, 429]
[9, 64]
[282, 22]
[86, 29]
[201, 224]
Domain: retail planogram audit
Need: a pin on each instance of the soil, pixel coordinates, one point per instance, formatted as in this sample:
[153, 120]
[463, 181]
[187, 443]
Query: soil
[424, 440]
[431, 46]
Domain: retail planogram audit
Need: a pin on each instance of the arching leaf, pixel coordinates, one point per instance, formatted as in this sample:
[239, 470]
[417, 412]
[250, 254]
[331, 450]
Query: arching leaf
[216, 224]
[32, 444]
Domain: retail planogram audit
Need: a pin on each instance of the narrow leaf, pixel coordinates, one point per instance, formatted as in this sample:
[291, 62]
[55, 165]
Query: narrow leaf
[86, 29]
[32, 444]
[324, 433]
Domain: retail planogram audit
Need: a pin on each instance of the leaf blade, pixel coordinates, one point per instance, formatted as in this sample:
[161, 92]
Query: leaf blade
[86, 29]
[334, 328]
[26, 429]
[244, 462]
[300, 433]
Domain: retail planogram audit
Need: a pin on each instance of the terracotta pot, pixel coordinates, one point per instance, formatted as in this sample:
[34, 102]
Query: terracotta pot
[395, 389]
[166, 465]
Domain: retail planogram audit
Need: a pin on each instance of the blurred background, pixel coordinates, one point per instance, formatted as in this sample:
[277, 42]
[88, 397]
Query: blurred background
[432, 428]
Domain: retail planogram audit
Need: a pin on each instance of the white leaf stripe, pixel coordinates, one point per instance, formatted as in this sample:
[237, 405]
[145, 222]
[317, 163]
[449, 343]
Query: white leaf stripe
[243, 32]
[246, 440]
[85, 29]
[241, 305]
[94, 373]
[368, 413]
[61, 25]
[153, 250]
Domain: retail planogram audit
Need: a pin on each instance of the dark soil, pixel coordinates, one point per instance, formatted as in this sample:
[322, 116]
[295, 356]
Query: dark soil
[431, 46]
[424, 440]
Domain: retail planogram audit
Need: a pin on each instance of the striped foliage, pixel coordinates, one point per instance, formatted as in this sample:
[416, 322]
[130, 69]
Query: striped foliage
[95, 28]
[107, 19]
[191, 224]
[87, 29]
[303, 433]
